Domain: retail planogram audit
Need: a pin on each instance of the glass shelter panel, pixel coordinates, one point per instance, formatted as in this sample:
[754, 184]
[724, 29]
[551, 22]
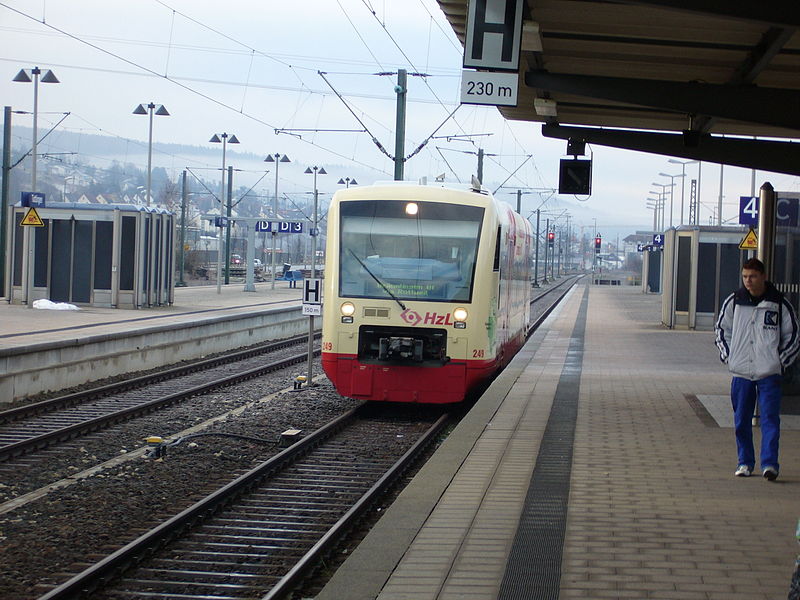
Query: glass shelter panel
[705, 300]
[408, 250]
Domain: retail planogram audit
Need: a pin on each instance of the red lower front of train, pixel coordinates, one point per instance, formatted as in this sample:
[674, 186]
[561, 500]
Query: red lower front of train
[399, 383]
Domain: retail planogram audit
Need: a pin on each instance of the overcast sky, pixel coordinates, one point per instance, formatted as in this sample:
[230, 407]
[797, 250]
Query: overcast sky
[250, 67]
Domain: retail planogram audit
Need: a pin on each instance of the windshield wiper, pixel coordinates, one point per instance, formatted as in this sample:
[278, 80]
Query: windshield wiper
[380, 283]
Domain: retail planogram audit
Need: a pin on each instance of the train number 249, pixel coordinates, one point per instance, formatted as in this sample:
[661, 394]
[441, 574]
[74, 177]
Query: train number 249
[477, 353]
[327, 345]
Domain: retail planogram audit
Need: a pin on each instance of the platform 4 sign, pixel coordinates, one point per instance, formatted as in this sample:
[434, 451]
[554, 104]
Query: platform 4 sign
[786, 210]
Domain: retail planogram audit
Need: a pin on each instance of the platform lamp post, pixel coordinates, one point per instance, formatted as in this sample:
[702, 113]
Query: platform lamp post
[28, 76]
[347, 182]
[671, 191]
[662, 193]
[277, 159]
[683, 164]
[182, 247]
[4, 187]
[161, 111]
[654, 204]
[223, 139]
[314, 233]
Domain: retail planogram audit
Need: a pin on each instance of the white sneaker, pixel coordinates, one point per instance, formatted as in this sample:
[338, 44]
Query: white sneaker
[743, 471]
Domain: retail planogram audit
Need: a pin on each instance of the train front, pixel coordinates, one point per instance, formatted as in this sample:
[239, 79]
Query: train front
[402, 318]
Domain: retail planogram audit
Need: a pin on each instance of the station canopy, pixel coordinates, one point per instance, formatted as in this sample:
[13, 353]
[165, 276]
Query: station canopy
[664, 76]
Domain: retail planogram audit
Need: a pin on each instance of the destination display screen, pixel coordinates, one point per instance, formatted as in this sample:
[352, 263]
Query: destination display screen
[409, 250]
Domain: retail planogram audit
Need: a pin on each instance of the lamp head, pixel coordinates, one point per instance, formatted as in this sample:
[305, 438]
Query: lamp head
[22, 77]
[140, 110]
[49, 77]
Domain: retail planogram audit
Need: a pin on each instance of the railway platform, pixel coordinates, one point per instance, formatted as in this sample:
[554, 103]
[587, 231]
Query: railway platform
[55, 349]
[599, 464]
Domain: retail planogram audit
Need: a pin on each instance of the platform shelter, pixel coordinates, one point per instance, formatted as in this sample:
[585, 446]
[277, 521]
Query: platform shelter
[702, 265]
[116, 255]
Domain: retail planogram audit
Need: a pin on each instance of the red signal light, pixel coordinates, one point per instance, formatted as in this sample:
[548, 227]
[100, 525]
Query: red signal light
[551, 235]
[598, 242]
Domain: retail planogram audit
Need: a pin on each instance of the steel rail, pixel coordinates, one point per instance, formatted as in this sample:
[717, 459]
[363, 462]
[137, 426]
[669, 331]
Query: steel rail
[131, 555]
[328, 541]
[85, 583]
[18, 448]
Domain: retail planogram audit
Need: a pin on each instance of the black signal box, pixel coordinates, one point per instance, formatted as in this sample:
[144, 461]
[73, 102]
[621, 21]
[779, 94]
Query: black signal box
[575, 177]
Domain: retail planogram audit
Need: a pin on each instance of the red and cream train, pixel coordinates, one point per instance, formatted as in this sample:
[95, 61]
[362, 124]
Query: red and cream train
[426, 292]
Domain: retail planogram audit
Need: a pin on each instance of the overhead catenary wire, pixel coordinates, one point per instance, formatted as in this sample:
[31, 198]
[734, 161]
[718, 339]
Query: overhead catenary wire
[360, 37]
[41, 139]
[355, 116]
[410, 62]
[178, 83]
[512, 174]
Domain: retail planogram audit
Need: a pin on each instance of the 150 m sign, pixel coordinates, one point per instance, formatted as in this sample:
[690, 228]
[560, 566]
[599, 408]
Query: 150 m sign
[482, 87]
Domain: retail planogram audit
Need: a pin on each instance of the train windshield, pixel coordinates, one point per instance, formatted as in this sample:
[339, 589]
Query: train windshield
[409, 250]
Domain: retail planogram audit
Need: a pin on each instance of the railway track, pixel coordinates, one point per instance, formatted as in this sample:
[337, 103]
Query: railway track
[261, 534]
[39, 425]
[36, 426]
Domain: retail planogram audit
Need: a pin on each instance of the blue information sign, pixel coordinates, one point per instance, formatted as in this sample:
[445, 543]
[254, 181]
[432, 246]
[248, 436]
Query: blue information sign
[786, 211]
[658, 239]
[220, 221]
[748, 210]
[282, 227]
[35, 199]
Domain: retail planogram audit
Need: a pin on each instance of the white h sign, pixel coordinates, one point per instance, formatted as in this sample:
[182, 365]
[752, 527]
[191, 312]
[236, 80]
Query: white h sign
[494, 33]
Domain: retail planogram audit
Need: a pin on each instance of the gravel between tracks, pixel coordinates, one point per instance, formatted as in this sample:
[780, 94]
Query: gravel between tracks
[44, 539]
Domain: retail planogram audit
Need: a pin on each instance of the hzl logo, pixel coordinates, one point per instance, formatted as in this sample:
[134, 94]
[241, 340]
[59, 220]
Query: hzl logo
[412, 317]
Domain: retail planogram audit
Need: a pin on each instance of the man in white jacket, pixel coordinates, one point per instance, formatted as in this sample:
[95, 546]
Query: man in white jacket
[757, 336]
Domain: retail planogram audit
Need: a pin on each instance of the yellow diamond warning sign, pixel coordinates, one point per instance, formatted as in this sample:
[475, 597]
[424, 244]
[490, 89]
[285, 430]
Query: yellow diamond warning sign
[750, 241]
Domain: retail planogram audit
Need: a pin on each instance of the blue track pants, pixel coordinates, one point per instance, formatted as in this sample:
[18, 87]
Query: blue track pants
[743, 397]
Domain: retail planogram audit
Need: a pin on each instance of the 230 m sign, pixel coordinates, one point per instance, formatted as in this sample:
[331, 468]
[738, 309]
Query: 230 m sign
[483, 87]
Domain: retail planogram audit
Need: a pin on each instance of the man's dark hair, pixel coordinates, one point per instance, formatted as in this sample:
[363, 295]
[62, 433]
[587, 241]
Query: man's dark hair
[754, 265]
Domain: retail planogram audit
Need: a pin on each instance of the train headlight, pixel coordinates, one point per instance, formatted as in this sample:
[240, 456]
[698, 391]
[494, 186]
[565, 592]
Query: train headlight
[460, 314]
[412, 208]
[348, 309]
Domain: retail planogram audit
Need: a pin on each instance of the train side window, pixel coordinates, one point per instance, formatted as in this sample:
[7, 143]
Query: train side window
[496, 265]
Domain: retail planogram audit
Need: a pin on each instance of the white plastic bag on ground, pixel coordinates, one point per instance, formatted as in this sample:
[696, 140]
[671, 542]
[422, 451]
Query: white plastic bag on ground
[48, 305]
